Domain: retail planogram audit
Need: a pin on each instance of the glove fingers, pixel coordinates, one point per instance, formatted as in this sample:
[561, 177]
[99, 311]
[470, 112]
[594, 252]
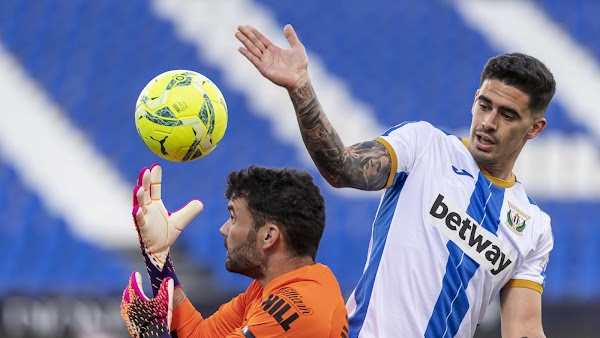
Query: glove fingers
[138, 216]
[170, 288]
[165, 293]
[155, 181]
[140, 198]
[140, 175]
[135, 199]
[182, 217]
[127, 296]
[146, 186]
[136, 283]
[128, 300]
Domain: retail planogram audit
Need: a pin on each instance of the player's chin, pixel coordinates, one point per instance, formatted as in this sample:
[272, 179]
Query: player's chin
[482, 156]
[229, 264]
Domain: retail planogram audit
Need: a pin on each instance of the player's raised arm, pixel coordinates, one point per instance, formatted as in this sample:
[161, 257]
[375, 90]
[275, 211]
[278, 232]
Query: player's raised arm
[365, 165]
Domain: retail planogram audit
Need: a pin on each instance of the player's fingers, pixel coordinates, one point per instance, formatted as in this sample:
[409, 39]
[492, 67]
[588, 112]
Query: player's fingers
[291, 36]
[263, 39]
[137, 285]
[253, 59]
[141, 199]
[155, 182]
[249, 46]
[182, 217]
[250, 40]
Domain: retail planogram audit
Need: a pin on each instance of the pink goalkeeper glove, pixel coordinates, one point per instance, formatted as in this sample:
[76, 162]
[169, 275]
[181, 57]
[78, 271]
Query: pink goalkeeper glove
[158, 228]
[146, 317]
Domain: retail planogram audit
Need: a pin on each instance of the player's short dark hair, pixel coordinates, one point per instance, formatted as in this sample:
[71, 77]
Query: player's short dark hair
[525, 73]
[286, 197]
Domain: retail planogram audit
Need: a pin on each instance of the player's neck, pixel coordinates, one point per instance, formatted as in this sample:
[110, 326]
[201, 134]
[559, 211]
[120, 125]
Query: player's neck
[501, 172]
[281, 264]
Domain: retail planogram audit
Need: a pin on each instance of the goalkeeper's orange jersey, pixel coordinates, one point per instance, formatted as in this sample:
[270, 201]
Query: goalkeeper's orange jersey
[306, 302]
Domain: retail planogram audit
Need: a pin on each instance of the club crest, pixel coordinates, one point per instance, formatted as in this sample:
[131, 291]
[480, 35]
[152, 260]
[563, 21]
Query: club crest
[516, 220]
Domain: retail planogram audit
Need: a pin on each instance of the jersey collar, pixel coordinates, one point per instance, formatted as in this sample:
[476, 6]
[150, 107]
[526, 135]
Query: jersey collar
[496, 181]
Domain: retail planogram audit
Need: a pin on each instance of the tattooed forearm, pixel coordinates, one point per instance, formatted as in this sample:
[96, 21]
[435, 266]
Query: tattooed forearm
[302, 95]
[363, 166]
[321, 139]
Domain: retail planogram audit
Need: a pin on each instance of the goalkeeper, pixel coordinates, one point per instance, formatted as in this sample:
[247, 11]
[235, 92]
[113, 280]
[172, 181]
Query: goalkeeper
[276, 220]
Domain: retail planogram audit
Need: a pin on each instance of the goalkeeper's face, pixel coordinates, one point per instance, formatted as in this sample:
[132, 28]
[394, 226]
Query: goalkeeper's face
[243, 255]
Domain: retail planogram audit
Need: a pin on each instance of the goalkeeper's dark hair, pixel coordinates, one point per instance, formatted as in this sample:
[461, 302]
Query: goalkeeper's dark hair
[525, 73]
[286, 197]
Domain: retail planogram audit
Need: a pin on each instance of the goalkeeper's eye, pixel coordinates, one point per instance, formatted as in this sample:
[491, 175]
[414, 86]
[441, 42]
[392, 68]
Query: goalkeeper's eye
[231, 213]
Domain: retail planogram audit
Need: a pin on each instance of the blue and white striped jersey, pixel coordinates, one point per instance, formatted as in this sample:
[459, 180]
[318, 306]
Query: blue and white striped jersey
[446, 239]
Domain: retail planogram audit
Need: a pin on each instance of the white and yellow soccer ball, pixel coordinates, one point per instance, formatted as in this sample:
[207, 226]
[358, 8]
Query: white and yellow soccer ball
[181, 115]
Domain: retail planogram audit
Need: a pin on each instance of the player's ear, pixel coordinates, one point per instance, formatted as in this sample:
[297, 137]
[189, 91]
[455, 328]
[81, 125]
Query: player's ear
[536, 128]
[270, 236]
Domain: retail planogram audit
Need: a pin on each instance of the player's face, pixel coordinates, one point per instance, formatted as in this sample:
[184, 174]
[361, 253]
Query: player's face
[502, 123]
[243, 256]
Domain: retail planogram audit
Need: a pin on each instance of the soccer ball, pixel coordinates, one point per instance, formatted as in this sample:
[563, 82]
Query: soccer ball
[181, 115]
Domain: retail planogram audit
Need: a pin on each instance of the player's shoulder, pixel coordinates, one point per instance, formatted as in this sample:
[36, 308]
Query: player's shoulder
[313, 279]
[541, 219]
[527, 199]
[311, 298]
[420, 129]
[308, 287]
[409, 125]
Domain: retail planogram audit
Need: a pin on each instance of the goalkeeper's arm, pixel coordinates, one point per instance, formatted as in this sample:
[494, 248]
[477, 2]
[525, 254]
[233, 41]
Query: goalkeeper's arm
[158, 228]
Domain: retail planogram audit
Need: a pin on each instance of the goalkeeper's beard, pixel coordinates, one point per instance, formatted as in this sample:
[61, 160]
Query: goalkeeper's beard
[245, 258]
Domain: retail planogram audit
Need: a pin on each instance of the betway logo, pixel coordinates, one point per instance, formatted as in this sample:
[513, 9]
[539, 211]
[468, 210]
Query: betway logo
[477, 242]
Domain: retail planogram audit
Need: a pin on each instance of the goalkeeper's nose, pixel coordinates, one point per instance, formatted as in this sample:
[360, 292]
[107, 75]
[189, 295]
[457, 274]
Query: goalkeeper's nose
[224, 230]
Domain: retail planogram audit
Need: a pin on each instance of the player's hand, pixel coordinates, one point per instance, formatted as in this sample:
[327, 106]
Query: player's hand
[284, 67]
[158, 228]
[146, 317]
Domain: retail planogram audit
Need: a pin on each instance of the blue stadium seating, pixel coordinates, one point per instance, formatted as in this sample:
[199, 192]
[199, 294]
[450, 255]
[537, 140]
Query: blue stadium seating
[42, 257]
[94, 68]
[579, 18]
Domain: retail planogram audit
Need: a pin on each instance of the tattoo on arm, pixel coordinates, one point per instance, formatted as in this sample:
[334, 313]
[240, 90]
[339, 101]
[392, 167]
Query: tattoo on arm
[364, 166]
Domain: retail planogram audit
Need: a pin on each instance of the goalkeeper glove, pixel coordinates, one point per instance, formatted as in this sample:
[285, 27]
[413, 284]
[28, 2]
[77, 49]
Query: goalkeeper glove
[158, 228]
[146, 317]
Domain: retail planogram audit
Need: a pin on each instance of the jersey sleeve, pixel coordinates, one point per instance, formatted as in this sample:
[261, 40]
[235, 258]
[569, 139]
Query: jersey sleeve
[406, 143]
[532, 273]
[188, 322]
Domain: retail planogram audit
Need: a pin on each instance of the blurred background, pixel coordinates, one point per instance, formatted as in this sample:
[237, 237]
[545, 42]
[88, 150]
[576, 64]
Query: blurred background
[71, 71]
